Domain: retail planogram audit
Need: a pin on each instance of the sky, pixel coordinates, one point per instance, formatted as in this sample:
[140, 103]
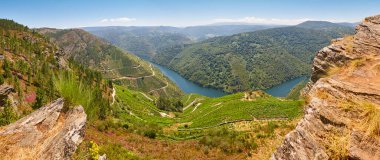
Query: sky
[181, 13]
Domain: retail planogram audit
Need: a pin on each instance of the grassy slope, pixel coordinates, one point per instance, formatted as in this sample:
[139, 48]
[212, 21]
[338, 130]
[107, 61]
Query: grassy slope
[173, 140]
[213, 111]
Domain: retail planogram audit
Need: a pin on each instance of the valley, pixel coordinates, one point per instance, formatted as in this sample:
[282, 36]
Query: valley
[189, 87]
[89, 72]
[178, 80]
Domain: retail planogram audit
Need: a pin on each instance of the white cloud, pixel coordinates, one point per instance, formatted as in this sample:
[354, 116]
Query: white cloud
[257, 20]
[118, 20]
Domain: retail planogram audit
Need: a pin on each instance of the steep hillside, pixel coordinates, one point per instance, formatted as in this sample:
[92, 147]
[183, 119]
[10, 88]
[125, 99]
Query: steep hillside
[33, 73]
[146, 41]
[115, 64]
[253, 60]
[343, 101]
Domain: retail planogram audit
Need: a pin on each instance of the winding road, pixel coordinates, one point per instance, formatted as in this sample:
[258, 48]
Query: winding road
[134, 78]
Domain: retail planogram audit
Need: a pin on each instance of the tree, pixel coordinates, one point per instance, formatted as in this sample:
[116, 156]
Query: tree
[8, 116]
[1, 79]
[39, 100]
[163, 103]
[178, 105]
[6, 68]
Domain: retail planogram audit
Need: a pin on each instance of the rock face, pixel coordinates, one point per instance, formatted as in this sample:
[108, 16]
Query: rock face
[47, 133]
[342, 115]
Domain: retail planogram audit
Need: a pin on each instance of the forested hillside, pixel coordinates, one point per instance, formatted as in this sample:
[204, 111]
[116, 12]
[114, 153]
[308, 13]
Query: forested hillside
[142, 41]
[34, 73]
[252, 60]
[146, 41]
[115, 64]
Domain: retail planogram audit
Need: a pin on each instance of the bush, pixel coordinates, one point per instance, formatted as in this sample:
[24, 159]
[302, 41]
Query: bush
[1, 79]
[94, 150]
[8, 115]
[82, 92]
[150, 134]
[168, 104]
[116, 151]
[228, 141]
[107, 124]
[125, 126]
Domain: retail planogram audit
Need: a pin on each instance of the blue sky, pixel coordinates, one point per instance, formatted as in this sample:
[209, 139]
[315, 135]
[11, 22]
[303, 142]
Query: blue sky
[80, 13]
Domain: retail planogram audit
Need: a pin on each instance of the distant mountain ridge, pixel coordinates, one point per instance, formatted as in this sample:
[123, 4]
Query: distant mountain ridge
[145, 41]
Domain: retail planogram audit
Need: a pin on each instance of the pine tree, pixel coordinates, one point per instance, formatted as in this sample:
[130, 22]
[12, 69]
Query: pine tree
[6, 68]
[8, 116]
[1, 79]
[40, 98]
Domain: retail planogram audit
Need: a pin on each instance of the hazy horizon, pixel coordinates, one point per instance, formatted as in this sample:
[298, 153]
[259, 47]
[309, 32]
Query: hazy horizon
[86, 13]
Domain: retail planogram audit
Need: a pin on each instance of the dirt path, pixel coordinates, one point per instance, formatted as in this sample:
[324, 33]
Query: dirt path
[137, 66]
[134, 78]
[113, 95]
[147, 96]
[196, 107]
[167, 84]
[194, 101]
[188, 98]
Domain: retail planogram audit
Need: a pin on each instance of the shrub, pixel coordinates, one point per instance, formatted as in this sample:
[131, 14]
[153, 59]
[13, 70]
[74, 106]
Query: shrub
[169, 104]
[150, 134]
[1, 79]
[8, 115]
[228, 141]
[372, 118]
[125, 126]
[39, 99]
[94, 150]
[116, 151]
[82, 92]
[337, 145]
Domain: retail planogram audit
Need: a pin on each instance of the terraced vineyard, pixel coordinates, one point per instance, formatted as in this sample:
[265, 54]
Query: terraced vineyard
[261, 119]
[200, 111]
[214, 111]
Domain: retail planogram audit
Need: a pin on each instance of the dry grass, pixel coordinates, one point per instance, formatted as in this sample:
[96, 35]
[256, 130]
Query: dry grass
[322, 95]
[337, 145]
[146, 148]
[358, 62]
[333, 71]
[370, 114]
[371, 122]
[269, 144]
[347, 105]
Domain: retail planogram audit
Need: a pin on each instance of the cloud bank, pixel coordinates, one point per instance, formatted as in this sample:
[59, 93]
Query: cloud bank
[118, 20]
[256, 20]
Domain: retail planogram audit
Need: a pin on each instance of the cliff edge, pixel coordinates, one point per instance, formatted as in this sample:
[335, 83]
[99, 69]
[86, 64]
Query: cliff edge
[342, 115]
[48, 133]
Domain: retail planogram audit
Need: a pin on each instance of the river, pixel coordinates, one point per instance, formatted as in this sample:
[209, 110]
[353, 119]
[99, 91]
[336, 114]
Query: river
[187, 86]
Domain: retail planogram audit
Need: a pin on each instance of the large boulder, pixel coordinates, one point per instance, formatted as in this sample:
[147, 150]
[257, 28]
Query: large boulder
[50, 132]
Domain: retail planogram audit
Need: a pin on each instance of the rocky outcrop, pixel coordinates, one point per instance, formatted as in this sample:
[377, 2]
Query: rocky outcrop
[48, 133]
[5, 90]
[342, 115]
